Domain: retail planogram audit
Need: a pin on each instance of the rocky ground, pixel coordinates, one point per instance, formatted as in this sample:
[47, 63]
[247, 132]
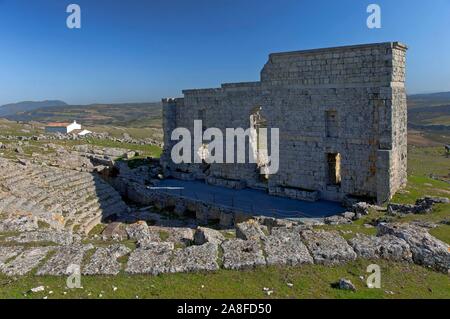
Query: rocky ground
[65, 205]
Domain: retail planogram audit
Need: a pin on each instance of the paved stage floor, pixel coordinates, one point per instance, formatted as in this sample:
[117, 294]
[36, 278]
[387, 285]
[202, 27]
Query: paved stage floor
[249, 200]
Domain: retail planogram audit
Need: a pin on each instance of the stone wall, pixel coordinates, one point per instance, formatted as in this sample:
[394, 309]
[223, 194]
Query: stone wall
[349, 101]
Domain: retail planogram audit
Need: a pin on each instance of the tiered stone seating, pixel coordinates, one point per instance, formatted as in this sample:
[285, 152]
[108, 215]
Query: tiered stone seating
[79, 200]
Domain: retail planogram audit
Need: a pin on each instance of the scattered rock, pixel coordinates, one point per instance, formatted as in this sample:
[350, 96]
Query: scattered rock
[422, 206]
[240, 254]
[426, 249]
[207, 235]
[19, 224]
[114, 231]
[57, 237]
[37, 289]
[7, 253]
[286, 248]
[196, 258]
[328, 248]
[25, 262]
[64, 257]
[361, 208]
[250, 230]
[104, 260]
[386, 247]
[345, 284]
[337, 220]
[153, 261]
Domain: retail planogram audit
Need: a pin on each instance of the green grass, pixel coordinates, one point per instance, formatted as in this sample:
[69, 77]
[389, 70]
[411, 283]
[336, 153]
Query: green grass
[310, 281]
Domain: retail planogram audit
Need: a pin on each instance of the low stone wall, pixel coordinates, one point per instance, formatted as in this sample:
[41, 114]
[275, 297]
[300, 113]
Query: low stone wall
[294, 193]
[228, 183]
[227, 216]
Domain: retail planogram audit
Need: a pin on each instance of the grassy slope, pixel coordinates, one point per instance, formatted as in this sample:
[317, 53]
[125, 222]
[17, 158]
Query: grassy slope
[312, 281]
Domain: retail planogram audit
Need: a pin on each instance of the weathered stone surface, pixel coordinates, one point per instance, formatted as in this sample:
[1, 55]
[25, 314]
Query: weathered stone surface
[349, 215]
[346, 284]
[207, 235]
[150, 261]
[250, 230]
[422, 206]
[286, 248]
[61, 198]
[65, 256]
[179, 235]
[25, 262]
[426, 249]
[361, 208]
[57, 237]
[328, 248]
[337, 220]
[7, 253]
[151, 245]
[196, 258]
[18, 224]
[104, 260]
[140, 231]
[387, 247]
[271, 222]
[240, 254]
[115, 231]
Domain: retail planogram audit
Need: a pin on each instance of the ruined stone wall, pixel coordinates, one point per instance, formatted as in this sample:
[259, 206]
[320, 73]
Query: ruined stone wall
[348, 100]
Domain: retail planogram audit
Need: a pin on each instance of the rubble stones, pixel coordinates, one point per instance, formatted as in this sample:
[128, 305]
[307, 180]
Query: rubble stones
[426, 249]
[18, 224]
[64, 257]
[327, 248]
[57, 237]
[7, 253]
[422, 206]
[139, 231]
[345, 284]
[115, 231]
[25, 262]
[241, 254]
[152, 261]
[250, 230]
[361, 208]
[179, 235]
[286, 248]
[387, 247]
[207, 235]
[196, 258]
[337, 220]
[104, 260]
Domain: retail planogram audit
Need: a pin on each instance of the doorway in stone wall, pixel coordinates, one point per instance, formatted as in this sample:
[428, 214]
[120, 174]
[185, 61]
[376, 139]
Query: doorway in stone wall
[334, 169]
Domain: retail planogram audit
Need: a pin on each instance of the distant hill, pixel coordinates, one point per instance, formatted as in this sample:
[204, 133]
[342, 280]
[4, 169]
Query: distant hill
[431, 99]
[13, 108]
[125, 114]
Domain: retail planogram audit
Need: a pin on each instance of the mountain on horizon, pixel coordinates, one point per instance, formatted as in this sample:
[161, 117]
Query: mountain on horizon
[14, 108]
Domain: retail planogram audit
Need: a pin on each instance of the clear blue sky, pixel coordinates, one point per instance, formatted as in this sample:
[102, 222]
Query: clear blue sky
[138, 50]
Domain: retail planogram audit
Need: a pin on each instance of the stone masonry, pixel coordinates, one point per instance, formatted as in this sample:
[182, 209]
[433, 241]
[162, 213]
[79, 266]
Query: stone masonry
[342, 118]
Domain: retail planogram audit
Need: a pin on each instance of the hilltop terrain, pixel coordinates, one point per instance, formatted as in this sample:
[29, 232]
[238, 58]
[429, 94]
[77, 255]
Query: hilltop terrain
[14, 108]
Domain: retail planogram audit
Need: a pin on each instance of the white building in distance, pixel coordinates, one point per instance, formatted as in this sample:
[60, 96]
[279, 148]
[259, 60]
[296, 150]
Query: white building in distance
[65, 128]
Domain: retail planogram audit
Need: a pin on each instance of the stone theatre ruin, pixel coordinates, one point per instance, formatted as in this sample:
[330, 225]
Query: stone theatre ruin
[342, 119]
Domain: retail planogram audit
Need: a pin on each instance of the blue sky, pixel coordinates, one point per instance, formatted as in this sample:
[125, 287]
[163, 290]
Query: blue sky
[136, 50]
